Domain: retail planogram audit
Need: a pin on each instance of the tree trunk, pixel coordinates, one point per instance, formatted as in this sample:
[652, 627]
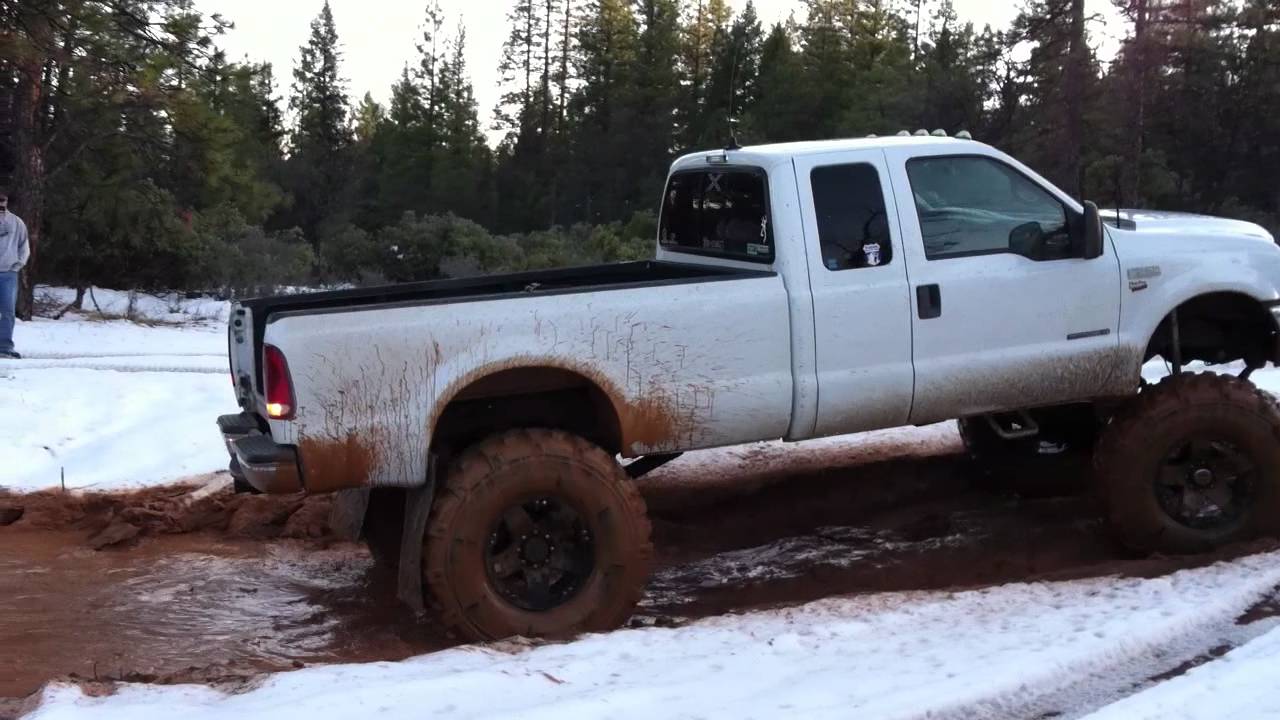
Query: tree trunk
[1142, 56]
[1077, 66]
[29, 173]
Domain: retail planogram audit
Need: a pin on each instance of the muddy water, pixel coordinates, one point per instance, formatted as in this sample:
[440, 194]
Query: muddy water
[191, 607]
[205, 608]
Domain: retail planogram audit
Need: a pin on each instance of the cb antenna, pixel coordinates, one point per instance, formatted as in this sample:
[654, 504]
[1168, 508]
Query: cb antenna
[733, 135]
[733, 92]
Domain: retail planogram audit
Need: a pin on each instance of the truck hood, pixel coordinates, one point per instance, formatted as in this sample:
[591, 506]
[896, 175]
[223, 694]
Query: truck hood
[1151, 222]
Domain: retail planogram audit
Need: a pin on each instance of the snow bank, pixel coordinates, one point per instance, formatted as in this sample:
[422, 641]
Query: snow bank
[74, 338]
[159, 307]
[1244, 683]
[973, 654]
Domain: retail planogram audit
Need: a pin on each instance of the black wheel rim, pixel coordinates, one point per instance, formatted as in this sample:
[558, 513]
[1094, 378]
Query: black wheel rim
[1206, 484]
[540, 553]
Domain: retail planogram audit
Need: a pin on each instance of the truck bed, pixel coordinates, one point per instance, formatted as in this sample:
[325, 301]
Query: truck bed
[591, 278]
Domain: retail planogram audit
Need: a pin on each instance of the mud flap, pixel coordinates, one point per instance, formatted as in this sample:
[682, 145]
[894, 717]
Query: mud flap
[346, 520]
[417, 507]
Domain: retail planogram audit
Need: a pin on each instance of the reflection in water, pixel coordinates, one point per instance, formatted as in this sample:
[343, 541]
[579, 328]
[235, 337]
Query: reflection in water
[186, 606]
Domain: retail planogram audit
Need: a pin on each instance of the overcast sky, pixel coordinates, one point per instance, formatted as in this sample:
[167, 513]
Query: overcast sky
[378, 36]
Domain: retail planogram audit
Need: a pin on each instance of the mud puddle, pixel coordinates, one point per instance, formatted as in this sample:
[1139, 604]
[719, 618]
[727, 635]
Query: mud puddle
[187, 608]
[193, 597]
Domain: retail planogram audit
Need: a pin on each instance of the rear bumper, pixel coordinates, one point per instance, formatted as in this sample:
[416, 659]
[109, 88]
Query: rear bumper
[257, 459]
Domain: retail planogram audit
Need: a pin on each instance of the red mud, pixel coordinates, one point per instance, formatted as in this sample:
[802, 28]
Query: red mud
[209, 592]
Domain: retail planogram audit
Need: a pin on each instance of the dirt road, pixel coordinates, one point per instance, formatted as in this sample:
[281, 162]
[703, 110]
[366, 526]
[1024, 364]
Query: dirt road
[212, 591]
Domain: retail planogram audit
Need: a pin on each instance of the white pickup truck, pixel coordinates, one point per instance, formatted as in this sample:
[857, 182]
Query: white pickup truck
[800, 290]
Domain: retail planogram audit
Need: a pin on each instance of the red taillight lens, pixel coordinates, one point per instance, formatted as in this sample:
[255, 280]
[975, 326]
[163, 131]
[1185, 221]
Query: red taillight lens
[280, 404]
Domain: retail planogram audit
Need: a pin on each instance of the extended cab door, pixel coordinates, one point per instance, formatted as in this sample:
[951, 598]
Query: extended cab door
[861, 303]
[1006, 312]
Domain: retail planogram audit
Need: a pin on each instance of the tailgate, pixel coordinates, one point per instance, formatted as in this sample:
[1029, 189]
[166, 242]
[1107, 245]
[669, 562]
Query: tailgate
[243, 356]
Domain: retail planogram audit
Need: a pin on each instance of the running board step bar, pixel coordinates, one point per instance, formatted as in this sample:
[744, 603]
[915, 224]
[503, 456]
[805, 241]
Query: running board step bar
[1013, 425]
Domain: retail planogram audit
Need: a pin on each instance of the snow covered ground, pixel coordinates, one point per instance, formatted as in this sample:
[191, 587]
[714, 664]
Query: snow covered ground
[1012, 651]
[111, 404]
[1245, 683]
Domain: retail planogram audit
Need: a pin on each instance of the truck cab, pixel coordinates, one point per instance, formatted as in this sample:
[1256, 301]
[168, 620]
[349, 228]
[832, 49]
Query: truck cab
[944, 279]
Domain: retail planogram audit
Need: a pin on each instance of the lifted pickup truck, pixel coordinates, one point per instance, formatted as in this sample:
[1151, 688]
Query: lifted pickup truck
[800, 290]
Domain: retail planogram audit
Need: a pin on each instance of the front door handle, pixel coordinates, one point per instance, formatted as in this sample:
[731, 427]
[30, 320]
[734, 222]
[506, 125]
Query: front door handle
[929, 301]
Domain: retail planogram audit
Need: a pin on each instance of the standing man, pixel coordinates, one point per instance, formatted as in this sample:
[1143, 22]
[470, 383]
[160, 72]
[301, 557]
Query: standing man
[14, 253]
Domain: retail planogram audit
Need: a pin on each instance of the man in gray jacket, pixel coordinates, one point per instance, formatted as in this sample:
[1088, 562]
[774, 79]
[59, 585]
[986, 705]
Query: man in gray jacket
[15, 250]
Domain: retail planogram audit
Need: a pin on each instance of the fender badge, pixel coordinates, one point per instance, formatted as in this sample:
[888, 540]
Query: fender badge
[1144, 273]
[1136, 285]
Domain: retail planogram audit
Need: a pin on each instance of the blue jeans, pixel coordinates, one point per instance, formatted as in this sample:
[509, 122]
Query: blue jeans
[8, 301]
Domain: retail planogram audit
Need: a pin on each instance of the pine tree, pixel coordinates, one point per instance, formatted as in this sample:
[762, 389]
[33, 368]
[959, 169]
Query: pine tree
[956, 74]
[369, 117]
[432, 55]
[519, 70]
[704, 30]
[322, 133]
[732, 85]
[1060, 78]
[460, 180]
[605, 65]
[826, 58]
[319, 97]
[654, 97]
[778, 112]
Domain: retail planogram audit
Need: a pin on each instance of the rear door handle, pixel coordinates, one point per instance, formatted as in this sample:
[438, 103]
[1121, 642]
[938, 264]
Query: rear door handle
[929, 301]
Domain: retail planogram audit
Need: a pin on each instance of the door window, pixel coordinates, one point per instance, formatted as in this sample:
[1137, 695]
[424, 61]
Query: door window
[977, 206]
[852, 225]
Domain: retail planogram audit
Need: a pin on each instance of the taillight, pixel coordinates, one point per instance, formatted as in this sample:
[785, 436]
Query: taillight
[275, 370]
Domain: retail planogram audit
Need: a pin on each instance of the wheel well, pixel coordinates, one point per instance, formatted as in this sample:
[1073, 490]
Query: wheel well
[1217, 328]
[544, 397]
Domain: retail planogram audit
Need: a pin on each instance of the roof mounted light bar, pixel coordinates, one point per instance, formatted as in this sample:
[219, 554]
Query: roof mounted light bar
[962, 135]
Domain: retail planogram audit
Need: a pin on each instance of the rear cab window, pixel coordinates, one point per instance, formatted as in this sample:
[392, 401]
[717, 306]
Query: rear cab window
[719, 212]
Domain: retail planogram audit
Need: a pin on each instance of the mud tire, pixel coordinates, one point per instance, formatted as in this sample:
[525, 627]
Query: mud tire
[509, 468]
[1141, 435]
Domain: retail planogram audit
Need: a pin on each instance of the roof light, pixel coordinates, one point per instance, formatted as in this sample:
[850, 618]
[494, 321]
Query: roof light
[904, 133]
[720, 159]
[939, 133]
[964, 135]
[922, 133]
[873, 135]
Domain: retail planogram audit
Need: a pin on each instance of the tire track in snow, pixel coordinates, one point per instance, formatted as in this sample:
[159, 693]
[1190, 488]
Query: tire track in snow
[108, 367]
[77, 356]
[1145, 657]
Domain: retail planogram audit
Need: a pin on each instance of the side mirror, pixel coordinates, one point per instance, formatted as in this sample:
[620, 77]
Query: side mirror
[1026, 240]
[1093, 234]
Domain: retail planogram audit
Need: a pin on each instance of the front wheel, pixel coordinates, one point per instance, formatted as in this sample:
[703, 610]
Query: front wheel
[1191, 464]
[536, 533]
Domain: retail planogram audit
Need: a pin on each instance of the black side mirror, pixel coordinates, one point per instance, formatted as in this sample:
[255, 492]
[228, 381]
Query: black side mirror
[1092, 231]
[1027, 240]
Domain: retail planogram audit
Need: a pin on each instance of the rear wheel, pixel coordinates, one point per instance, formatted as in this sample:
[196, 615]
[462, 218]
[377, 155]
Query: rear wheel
[539, 533]
[1191, 464]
